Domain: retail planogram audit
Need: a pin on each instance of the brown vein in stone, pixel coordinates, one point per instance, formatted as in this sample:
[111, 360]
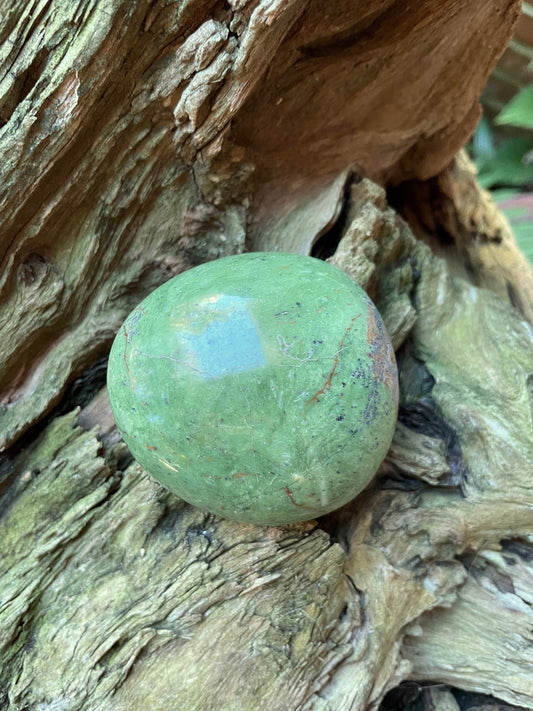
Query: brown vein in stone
[327, 384]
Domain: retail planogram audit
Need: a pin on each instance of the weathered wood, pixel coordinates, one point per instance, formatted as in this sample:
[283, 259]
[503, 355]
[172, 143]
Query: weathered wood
[124, 580]
[143, 138]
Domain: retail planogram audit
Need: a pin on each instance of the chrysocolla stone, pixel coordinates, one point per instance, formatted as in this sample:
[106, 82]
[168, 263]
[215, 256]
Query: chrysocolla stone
[260, 387]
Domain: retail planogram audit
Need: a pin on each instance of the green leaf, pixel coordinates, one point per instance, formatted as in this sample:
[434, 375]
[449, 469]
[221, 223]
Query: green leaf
[507, 166]
[519, 111]
[523, 233]
[527, 9]
[518, 208]
[483, 148]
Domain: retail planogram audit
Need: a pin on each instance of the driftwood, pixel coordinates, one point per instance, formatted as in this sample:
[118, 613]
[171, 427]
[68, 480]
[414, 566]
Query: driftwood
[139, 139]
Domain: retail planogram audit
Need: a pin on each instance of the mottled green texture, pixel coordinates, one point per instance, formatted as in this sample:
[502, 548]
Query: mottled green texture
[260, 387]
[107, 579]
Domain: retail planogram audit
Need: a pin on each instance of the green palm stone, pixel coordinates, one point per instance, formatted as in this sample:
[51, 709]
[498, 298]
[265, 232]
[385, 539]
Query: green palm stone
[260, 387]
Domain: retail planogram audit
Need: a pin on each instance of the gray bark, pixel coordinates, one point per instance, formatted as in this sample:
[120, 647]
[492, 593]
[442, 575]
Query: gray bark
[140, 139]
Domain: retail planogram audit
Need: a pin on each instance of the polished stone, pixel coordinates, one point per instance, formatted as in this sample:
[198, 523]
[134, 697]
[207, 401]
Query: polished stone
[260, 387]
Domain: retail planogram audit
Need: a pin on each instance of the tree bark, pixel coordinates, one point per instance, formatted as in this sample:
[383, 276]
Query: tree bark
[140, 139]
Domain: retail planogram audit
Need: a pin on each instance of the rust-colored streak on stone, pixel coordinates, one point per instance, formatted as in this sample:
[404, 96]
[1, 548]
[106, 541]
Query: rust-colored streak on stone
[327, 384]
[291, 497]
[381, 353]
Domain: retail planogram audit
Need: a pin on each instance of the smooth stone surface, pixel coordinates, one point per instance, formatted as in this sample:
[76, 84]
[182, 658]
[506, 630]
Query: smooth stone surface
[260, 387]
